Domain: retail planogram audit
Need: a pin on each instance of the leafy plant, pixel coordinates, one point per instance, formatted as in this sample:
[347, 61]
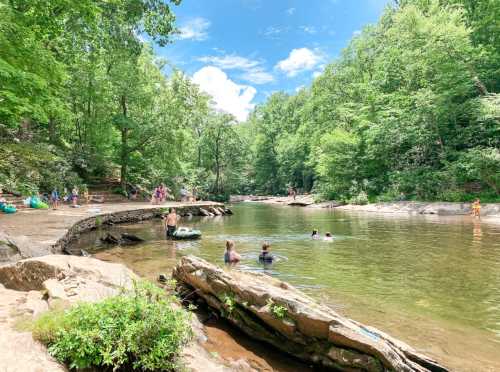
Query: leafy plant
[229, 302]
[142, 330]
[278, 311]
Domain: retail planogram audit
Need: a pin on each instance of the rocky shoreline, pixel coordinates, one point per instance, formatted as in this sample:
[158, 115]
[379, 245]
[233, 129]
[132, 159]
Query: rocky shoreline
[490, 211]
[35, 233]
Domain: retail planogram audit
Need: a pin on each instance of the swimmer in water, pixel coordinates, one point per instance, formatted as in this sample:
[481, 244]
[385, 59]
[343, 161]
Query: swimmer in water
[315, 234]
[328, 237]
[231, 256]
[265, 256]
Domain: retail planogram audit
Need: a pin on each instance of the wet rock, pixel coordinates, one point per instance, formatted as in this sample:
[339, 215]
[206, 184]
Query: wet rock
[276, 313]
[204, 212]
[215, 211]
[122, 239]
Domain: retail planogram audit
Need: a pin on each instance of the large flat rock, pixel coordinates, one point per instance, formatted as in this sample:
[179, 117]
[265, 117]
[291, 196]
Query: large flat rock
[275, 312]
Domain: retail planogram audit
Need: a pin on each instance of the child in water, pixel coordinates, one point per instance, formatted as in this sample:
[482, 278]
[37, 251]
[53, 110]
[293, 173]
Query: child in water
[476, 208]
[264, 255]
[328, 237]
[231, 256]
[315, 234]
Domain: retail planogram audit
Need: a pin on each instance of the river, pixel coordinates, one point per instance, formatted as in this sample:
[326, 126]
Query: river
[431, 281]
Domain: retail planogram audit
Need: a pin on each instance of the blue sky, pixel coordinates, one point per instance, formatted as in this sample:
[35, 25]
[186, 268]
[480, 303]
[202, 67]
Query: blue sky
[241, 51]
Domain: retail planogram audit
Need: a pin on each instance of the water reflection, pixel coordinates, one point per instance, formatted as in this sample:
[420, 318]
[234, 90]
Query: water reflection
[426, 279]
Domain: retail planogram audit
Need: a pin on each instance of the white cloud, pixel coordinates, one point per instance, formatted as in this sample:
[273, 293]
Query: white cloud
[230, 61]
[195, 29]
[299, 60]
[253, 71]
[316, 74]
[299, 88]
[258, 76]
[273, 32]
[290, 11]
[308, 29]
[356, 33]
[227, 95]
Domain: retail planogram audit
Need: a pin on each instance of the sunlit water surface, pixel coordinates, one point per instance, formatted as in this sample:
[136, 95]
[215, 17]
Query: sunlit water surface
[432, 281]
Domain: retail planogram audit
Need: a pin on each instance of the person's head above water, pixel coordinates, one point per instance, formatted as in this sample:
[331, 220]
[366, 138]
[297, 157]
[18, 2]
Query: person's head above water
[315, 232]
[229, 245]
[266, 246]
[328, 235]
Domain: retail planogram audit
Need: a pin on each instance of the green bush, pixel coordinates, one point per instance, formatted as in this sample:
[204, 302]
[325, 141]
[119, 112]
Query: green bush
[141, 330]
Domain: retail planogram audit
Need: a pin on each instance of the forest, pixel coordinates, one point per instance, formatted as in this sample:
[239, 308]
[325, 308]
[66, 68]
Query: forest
[409, 111]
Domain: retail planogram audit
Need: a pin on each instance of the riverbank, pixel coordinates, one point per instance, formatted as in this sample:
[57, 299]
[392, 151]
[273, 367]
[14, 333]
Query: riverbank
[34, 233]
[489, 211]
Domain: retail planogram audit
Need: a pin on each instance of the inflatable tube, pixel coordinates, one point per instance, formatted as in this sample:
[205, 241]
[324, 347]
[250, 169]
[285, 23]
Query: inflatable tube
[184, 233]
[38, 204]
[9, 209]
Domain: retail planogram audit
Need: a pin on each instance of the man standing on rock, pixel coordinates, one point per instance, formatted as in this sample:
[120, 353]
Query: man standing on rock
[171, 223]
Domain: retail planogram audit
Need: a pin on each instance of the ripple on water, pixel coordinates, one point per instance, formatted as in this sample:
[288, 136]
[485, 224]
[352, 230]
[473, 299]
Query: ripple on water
[432, 281]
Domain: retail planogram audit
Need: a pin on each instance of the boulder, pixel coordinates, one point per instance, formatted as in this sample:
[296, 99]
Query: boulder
[275, 312]
[67, 278]
[32, 286]
[215, 211]
[204, 212]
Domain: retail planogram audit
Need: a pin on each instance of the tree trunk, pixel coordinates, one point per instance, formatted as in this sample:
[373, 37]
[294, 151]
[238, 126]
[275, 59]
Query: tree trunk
[52, 131]
[124, 150]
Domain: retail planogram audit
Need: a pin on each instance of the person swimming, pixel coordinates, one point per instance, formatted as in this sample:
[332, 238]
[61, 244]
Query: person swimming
[315, 234]
[231, 256]
[265, 255]
[328, 237]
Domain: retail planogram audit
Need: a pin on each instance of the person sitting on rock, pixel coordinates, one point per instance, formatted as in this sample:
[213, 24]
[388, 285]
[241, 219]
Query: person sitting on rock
[231, 256]
[265, 255]
[328, 237]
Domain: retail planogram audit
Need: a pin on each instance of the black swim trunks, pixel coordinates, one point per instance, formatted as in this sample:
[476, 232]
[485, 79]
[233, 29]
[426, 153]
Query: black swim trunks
[170, 231]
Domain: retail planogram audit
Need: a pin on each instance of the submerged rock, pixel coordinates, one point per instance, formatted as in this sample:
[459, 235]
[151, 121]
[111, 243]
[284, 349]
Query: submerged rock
[274, 312]
[123, 239]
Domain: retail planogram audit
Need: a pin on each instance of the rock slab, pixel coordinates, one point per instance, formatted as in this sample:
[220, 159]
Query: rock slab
[274, 312]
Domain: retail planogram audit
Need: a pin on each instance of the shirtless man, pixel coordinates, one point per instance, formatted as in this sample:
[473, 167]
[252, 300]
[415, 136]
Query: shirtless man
[171, 222]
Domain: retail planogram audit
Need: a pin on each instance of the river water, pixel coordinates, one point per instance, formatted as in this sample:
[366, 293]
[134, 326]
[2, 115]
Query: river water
[431, 281]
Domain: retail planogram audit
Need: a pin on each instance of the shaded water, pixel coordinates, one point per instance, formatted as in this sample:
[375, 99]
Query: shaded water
[432, 281]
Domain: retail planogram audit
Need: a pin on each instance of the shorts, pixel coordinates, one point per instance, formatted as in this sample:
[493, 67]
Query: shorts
[170, 231]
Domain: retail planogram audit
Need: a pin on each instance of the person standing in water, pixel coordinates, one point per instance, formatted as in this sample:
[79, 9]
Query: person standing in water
[265, 255]
[171, 223]
[476, 208]
[231, 256]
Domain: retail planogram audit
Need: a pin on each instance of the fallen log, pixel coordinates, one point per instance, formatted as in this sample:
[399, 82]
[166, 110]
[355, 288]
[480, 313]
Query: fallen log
[275, 312]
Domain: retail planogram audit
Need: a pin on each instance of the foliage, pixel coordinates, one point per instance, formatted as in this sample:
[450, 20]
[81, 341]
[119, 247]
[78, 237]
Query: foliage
[229, 302]
[278, 311]
[409, 111]
[142, 330]
[25, 168]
